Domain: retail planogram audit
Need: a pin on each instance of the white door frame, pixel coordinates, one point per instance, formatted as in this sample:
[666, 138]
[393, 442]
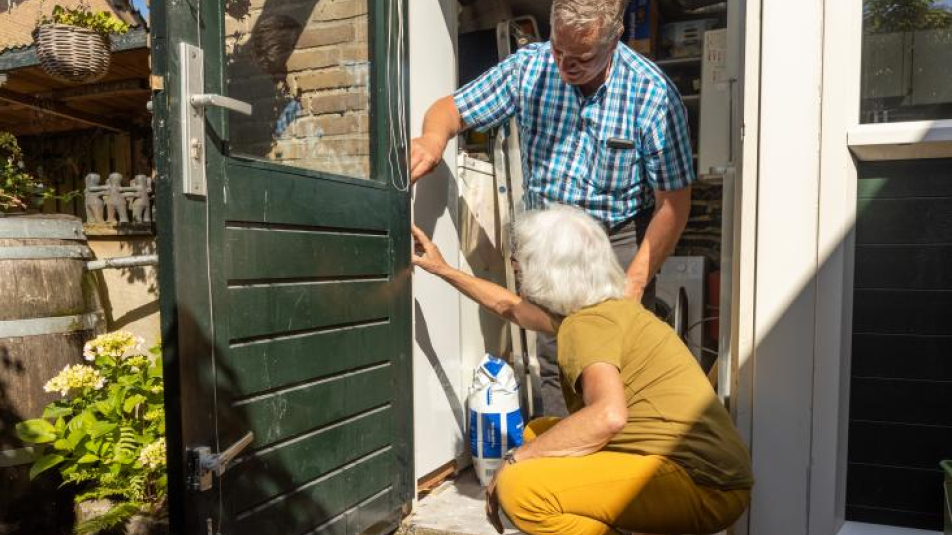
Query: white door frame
[793, 258]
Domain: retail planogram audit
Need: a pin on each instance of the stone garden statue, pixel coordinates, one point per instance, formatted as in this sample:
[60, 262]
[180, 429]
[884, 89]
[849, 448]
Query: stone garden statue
[93, 195]
[115, 201]
[141, 187]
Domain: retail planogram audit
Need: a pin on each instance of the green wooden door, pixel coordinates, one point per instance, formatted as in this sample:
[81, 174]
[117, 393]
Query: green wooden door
[285, 280]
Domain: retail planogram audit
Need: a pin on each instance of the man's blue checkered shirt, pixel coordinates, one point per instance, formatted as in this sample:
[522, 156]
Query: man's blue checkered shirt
[567, 157]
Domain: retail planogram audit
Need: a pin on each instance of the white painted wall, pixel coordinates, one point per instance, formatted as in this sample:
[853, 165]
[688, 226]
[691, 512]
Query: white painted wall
[437, 372]
[786, 264]
[837, 215]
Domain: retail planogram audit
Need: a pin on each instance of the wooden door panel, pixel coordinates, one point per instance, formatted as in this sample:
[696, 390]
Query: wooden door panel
[285, 414]
[285, 290]
[288, 199]
[264, 255]
[312, 455]
[280, 362]
[320, 501]
[279, 310]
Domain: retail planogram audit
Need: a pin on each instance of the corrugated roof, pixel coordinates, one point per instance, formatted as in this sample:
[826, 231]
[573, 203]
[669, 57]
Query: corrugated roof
[18, 18]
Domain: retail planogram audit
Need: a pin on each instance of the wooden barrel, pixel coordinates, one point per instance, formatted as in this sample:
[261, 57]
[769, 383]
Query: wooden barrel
[49, 307]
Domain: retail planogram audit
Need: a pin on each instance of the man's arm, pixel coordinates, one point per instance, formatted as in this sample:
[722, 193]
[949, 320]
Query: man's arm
[669, 169]
[489, 295]
[441, 122]
[483, 103]
[672, 209]
[590, 429]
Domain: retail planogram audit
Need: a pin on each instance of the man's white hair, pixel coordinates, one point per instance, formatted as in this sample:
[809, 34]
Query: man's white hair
[565, 260]
[603, 15]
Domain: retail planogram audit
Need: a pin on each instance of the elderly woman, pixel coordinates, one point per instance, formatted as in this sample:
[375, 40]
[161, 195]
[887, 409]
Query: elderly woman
[647, 447]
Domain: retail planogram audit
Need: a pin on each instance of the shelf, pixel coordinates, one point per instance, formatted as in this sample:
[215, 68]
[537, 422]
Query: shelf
[676, 62]
[691, 99]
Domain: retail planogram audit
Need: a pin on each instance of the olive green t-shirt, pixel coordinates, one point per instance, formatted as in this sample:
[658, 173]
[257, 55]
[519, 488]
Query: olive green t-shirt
[672, 409]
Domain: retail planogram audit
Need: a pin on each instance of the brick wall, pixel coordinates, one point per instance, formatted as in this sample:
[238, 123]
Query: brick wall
[305, 67]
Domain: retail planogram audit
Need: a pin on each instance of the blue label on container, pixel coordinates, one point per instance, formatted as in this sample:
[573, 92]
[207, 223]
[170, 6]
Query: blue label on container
[494, 366]
[492, 436]
[513, 430]
[473, 432]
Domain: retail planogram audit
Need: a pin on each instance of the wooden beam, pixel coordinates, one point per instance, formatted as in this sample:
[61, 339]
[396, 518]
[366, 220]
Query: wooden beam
[119, 87]
[23, 57]
[58, 109]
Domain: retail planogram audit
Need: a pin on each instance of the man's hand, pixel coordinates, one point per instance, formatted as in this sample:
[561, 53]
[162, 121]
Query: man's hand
[426, 254]
[426, 152]
[492, 501]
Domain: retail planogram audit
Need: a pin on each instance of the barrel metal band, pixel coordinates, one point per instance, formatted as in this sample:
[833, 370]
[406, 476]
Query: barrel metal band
[44, 252]
[16, 457]
[54, 325]
[33, 228]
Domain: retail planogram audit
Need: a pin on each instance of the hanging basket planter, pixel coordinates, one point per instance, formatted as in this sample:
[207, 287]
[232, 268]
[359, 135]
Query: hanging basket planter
[72, 54]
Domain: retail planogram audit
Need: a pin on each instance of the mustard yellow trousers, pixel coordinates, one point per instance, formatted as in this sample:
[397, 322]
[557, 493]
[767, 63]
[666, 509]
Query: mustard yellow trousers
[606, 491]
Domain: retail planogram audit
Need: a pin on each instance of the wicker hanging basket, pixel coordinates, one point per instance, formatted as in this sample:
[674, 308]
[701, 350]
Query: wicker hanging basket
[72, 54]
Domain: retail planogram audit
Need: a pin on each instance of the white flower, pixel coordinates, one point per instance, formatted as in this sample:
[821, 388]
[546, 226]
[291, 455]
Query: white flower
[75, 377]
[153, 455]
[118, 345]
[88, 352]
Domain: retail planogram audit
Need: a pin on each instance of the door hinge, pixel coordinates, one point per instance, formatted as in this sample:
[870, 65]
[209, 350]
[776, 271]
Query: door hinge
[202, 464]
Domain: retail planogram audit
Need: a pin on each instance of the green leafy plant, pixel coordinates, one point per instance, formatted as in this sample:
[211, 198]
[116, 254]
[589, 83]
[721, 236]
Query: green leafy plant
[100, 22]
[107, 434]
[19, 190]
[17, 187]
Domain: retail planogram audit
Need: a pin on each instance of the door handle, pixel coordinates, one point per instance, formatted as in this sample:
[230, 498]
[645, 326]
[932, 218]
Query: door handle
[191, 109]
[202, 463]
[220, 101]
[219, 463]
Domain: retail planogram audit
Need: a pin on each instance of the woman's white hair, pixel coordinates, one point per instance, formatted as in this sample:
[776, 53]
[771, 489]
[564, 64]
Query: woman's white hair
[565, 260]
[604, 15]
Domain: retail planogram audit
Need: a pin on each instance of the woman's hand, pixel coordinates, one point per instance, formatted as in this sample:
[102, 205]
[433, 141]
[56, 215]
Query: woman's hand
[426, 254]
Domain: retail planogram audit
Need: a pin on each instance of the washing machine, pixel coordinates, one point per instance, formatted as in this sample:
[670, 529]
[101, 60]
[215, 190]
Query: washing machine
[680, 300]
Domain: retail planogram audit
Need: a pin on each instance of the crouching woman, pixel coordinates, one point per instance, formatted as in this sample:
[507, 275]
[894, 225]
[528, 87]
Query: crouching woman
[647, 447]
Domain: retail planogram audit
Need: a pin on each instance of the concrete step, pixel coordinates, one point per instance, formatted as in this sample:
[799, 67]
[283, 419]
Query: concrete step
[456, 507]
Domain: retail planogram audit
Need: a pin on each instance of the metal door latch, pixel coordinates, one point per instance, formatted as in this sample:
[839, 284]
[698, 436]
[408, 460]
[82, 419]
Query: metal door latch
[203, 464]
[192, 116]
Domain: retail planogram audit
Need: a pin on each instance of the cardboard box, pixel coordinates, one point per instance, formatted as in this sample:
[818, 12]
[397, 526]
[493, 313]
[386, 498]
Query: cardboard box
[641, 27]
[684, 39]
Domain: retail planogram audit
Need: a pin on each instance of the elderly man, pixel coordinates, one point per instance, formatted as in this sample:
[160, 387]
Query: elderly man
[601, 128]
[648, 446]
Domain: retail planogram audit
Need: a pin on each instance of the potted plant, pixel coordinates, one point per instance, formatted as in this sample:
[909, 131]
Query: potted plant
[106, 436]
[72, 44]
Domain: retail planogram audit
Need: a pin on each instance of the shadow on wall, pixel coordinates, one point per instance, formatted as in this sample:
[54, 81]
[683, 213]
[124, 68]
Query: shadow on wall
[129, 295]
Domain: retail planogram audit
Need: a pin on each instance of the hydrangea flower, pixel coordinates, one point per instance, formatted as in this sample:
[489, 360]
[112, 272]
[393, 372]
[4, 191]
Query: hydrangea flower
[118, 345]
[153, 455]
[137, 363]
[75, 377]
